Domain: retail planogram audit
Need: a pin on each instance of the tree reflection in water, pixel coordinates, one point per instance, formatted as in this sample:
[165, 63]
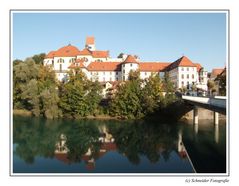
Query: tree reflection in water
[89, 140]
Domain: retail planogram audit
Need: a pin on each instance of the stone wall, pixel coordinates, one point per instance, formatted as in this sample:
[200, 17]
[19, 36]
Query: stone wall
[203, 114]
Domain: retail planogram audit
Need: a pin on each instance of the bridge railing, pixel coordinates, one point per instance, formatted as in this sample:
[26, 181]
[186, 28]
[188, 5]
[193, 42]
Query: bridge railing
[218, 101]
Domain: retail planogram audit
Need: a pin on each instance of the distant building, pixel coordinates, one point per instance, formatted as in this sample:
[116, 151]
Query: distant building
[215, 72]
[220, 83]
[98, 65]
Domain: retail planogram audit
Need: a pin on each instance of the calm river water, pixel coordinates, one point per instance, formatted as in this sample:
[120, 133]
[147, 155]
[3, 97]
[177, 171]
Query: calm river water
[107, 146]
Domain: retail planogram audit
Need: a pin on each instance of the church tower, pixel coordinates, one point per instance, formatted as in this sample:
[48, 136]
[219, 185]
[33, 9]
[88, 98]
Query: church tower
[90, 43]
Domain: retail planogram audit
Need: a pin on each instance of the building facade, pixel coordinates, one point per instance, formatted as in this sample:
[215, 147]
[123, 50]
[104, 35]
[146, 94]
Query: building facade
[98, 65]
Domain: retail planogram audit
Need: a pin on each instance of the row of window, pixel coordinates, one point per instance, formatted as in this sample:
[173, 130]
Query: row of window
[131, 65]
[104, 79]
[182, 76]
[97, 73]
[187, 68]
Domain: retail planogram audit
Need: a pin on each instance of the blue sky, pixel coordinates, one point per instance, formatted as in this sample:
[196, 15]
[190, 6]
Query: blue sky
[152, 36]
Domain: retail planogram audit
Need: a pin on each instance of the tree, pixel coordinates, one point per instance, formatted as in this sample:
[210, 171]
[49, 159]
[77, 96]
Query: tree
[194, 87]
[120, 55]
[152, 94]
[39, 58]
[78, 96]
[169, 89]
[127, 100]
[30, 95]
[17, 61]
[210, 85]
[222, 85]
[50, 100]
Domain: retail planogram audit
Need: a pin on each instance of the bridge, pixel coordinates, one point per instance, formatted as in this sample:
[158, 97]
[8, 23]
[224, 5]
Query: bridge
[216, 104]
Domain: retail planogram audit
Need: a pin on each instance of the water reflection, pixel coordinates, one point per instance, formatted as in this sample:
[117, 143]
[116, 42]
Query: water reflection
[87, 142]
[115, 146]
[216, 130]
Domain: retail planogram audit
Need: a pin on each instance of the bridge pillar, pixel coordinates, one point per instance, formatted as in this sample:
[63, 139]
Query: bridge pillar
[195, 115]
[216, 118]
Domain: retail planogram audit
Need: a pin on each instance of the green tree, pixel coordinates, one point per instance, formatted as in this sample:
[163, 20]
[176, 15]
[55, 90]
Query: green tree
[79, 97]
[39, 58]
[152, 94]
[30, 95]
[50, 100]
[120, 55]
[127, 101]
[169, 89]
[222, 85]
[210, 85]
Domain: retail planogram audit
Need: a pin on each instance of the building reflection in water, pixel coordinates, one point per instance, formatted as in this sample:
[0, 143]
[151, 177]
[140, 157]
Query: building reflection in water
[106, 144]
[181, 148]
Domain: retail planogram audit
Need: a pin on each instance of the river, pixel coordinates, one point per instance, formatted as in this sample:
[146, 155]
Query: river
[111, 146]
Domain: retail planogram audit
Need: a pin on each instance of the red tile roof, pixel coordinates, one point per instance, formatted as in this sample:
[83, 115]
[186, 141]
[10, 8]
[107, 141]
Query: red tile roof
[216, 72]
[104, 66]
[152, 66]
[67, 51]
[51, 54]
[90, 40]
[62, 157]
[198, 66]
[181, 62]
[130, 59]
[100, 54]
[85, 52]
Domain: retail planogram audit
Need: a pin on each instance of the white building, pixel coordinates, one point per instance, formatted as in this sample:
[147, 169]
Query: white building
[98, 65]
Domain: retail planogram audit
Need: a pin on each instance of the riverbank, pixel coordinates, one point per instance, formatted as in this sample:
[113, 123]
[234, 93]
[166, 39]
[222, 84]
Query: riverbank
[22, 112]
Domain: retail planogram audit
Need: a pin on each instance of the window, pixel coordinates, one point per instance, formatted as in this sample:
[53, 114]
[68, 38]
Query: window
[117, 79]
[103, 78]
[72, 60]
[131, 65]
[182, 83]
[187, 69]
[60, 60]
[123, 78]
[192, 76]
[52, 62]
[110, 79]
[182, 76]
[145, 73]
[85, 59]
[123, 71]
[60, 67]
[182, 69]
[116, 73]
[187, 76]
